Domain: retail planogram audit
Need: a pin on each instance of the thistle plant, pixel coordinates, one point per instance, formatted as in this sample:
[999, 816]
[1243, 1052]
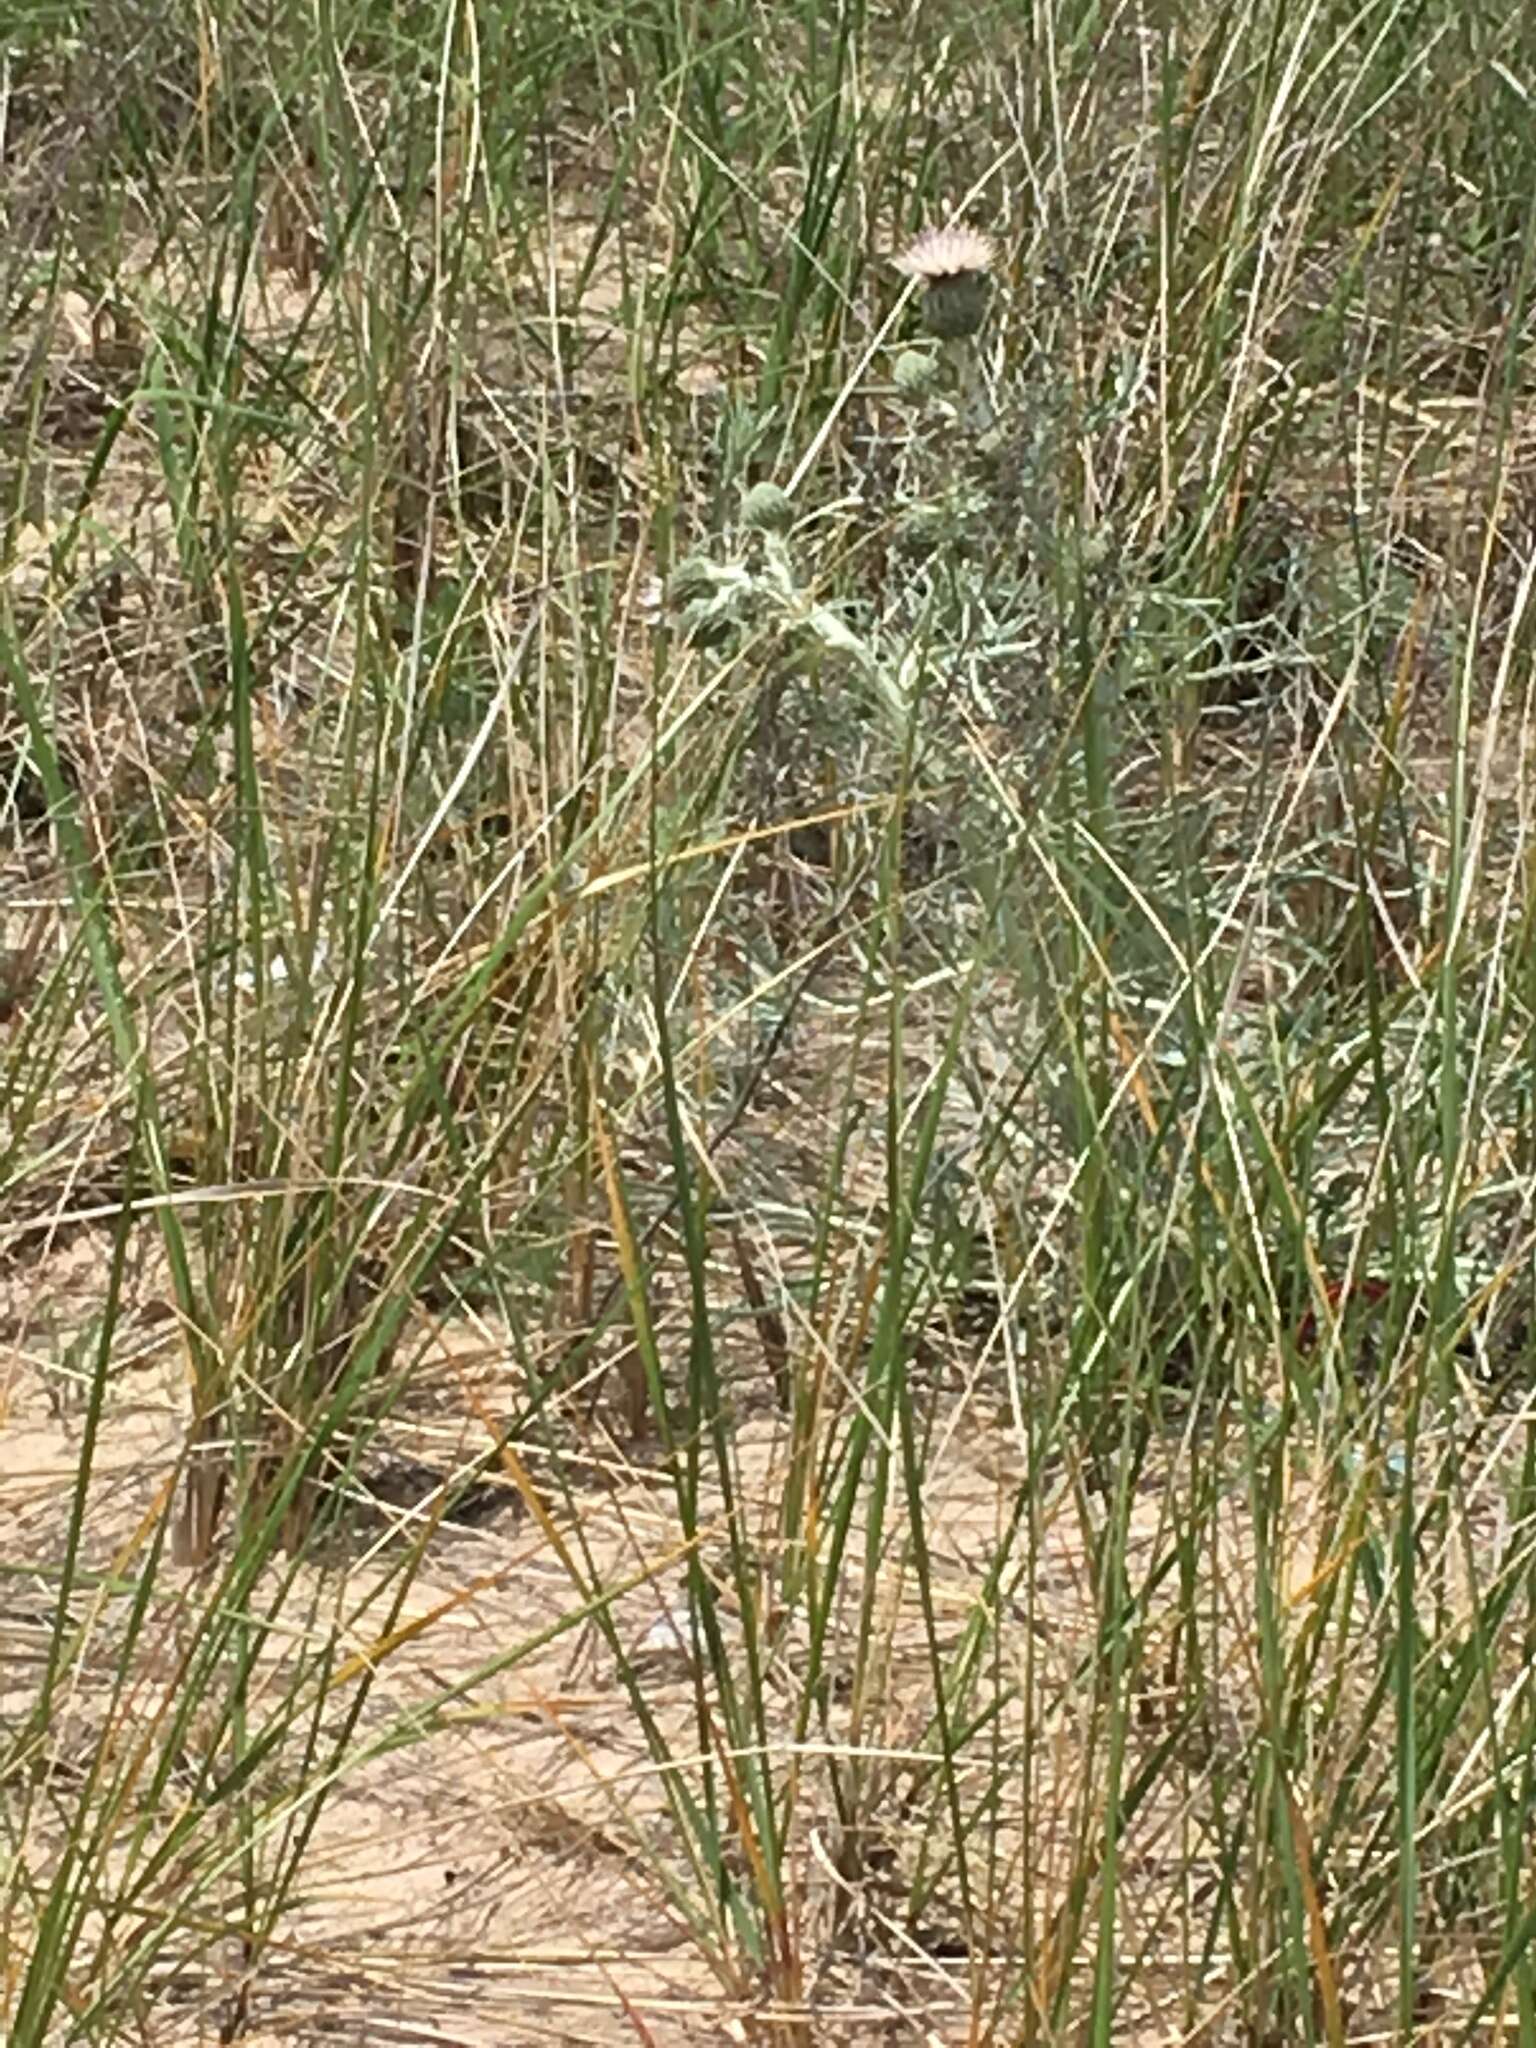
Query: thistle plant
[954, 268]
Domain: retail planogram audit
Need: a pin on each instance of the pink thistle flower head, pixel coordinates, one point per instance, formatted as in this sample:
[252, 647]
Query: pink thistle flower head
[938, 253]
[952, 264]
